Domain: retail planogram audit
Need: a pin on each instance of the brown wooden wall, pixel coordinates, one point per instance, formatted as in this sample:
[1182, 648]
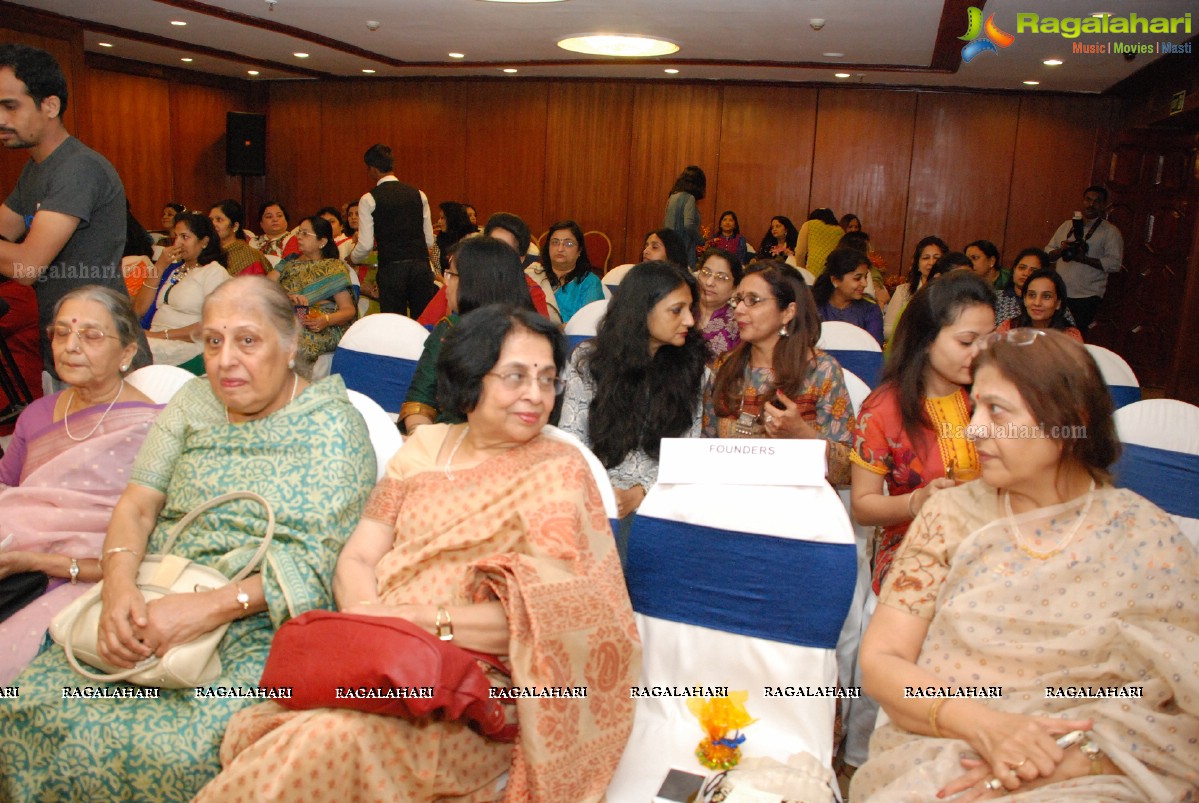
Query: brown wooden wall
[963, 165]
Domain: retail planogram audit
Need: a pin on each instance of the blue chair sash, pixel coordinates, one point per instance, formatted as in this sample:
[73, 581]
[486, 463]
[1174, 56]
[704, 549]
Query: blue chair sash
[384, 379]
[1168, 479]
[762, 586]
[1124, 395]
[573, 341]
[868, 365]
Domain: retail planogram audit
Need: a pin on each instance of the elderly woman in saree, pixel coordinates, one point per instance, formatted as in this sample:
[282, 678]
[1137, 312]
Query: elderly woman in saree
[319, 285]
[499, 529]
[252, 425]
[1076, 599]
[68, 463]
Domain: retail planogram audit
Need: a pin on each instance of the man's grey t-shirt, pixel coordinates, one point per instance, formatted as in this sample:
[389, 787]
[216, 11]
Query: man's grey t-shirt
[75, 180]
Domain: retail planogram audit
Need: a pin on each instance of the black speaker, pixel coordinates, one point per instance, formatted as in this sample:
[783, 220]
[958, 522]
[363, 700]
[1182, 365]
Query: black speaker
[245, 144]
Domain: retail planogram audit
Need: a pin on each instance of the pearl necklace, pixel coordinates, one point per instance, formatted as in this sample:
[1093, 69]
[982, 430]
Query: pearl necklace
[450, 460]
[66, 415]
[1063, 542]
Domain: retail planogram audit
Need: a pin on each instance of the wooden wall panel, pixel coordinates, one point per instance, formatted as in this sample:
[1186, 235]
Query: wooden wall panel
[505, 150]
[765, 164]
[293, 153]
[352, 120]
[673, 126]
[1057, 143]
[134, 132]
[964, 145]
[861, 161]
[587, 165]
[198, 145]
[427, 124]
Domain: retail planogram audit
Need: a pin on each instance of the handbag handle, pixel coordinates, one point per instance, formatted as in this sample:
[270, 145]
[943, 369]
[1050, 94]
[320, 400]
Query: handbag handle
[175, 531]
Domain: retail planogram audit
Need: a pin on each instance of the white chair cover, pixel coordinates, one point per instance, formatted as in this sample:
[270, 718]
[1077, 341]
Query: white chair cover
[384, 434]
[1118, 374]
[597, 468]
[808, 278]
[614, 277]
[160, 382]
[586, 320]
[679, 654]
[395, 338]
[1172, 426]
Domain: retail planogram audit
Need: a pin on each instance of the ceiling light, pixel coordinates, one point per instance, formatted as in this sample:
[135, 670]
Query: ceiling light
[509, 70]
[180, 23]
[300, 55]
[456, 55]
[1032, 83]
[842, 75]
[834, 55]
[189, 61]
[618, 45]
[369, 72]
[252, 72]
[104, 44]
[1052, 62]
[671, 71]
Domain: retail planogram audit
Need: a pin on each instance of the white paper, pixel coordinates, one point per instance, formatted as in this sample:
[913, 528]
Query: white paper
[743, 461]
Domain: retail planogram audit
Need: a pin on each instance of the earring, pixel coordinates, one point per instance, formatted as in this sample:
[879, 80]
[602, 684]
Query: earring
[124, 368]
[291, 364]
[783, 331]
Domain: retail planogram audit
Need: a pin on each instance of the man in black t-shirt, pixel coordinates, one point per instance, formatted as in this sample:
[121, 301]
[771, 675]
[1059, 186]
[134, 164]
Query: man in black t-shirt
[69, 203]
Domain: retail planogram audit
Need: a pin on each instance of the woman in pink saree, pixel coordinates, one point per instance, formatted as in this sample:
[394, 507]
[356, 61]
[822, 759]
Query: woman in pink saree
[68, 463]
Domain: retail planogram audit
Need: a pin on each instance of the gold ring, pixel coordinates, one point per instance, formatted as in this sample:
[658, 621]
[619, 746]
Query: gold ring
[1021, 764]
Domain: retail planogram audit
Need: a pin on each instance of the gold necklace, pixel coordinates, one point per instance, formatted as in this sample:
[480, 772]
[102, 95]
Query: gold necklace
[1063, 542]
[450, 460]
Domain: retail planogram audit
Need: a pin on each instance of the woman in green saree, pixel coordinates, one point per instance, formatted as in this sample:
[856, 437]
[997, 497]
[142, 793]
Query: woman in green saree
[319, 286]
[254, 425]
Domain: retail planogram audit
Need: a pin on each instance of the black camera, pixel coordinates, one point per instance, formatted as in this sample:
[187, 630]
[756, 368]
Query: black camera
[1075, 251]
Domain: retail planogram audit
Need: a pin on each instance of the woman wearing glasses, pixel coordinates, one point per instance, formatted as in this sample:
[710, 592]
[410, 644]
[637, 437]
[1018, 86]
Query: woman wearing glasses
[777, 384]
[175, 289]
[638, 381]
[569, 271]
[492, 535]
[480, 270]
[1074, 598]
[67, 464]
[718, 275]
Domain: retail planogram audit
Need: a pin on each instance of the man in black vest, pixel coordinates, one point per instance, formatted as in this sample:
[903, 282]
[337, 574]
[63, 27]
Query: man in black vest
[397, 217]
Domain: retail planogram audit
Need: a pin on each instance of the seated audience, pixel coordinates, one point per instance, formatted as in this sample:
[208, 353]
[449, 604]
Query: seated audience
[926, 254]
[850, 223]
[777, 383]
[277, 238]
[817, 238]
[170, 213]
[138, 255]
[569, 271]
[351, 219]
[1044, 300]
[839, 292]
[1040, 578]
[342, 239]
[174, 292]
[228, 221]
[58, 485]
[455, 224]
[728, 237]
[500, 530]
[780, 240]
[638, 381]
[664, 245]
[1009, 304]
[984, 260]
[876, 286]
[319, 286]
[953, 261]
[482, 271]
[252, 425]
[718, 275]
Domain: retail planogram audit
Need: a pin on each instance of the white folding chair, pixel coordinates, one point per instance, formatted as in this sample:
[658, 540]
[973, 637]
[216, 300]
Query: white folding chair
[584, 323]
[738, 586]
[808, 278]
[614, 277]
[1160, 458]
[160, 382]
[378, 355]
[853, 347]
[385, 436]
[597, 468]
[1122, 383]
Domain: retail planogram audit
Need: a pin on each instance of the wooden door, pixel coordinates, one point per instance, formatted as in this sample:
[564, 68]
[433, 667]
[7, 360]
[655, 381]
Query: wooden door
[1152, 177]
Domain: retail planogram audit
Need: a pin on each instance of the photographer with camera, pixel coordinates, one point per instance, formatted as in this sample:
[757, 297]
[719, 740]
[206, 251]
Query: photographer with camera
[1086, 249]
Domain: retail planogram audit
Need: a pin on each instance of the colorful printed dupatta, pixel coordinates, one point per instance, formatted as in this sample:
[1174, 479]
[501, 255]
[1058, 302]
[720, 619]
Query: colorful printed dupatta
[318, 282]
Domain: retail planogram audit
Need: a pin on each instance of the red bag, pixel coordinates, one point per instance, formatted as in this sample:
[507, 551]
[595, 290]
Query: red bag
[383, 665]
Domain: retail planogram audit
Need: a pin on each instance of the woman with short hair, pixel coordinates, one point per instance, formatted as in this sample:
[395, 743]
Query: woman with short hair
[718, 276]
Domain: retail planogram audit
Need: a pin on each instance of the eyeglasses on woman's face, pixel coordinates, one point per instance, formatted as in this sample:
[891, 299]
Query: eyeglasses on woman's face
[750, 300]
[518, 380]
[718, 276]
[87, 334]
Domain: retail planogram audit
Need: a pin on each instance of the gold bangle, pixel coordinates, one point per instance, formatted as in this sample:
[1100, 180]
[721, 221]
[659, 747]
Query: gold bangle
[443, 630]
[328, 323]
[932, 717]
[117, 549]
[1094, 755]
[911, 499]
[167, 335]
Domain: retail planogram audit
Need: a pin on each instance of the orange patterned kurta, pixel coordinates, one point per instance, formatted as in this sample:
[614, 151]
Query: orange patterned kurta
[527, 528]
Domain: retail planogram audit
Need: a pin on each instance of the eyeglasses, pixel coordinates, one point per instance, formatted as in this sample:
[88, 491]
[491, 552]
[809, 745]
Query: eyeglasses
[563, 243]
[302, 233]
[750, 300]
[87, 334]
[720, 277]
[447, 273]
[1017, 337]
[515, 380]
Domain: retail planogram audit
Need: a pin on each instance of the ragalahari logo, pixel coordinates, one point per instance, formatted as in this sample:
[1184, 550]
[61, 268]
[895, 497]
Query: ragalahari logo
[983, 38]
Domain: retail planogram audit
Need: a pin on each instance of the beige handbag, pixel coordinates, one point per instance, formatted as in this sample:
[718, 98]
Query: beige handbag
[196, 663]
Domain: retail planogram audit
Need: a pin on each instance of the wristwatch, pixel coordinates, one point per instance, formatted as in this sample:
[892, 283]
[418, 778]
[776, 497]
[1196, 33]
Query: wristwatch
[74, 571]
